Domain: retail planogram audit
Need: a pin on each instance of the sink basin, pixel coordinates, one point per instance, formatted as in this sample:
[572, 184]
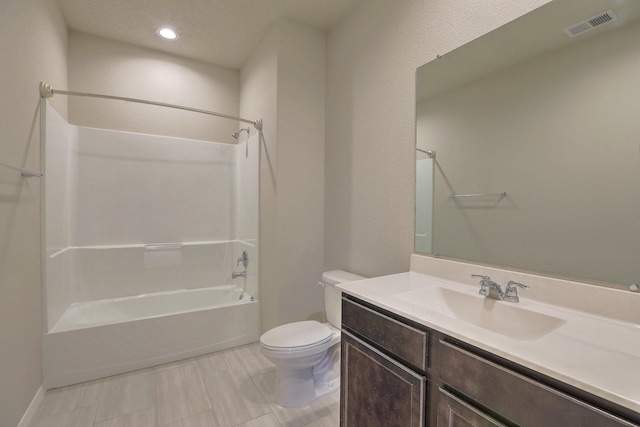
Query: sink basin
[501, 317]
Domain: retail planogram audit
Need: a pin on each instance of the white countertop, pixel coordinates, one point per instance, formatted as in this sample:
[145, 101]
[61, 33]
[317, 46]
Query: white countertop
[597, 354]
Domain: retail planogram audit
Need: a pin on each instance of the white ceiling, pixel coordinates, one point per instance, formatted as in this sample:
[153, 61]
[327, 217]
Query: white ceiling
[222, 32]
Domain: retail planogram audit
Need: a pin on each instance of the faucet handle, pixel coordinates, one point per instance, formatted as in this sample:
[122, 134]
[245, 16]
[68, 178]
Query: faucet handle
[511, 292]
[244, 260]
[511, 286]
[484, 287]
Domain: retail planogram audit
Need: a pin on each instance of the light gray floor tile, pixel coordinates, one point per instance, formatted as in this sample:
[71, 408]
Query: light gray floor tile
[220, 361]
[230, 388]
[181, 392]
[234, 397]
[124, 394]
[266, 383]
[253, 360]
[269, 420]
[302, 415]
[82, 417]
[203, 419]
[145, 418]
[332, 420]
[65, 399]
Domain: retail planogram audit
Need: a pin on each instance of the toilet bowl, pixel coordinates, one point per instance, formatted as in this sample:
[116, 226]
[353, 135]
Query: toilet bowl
[307, 353]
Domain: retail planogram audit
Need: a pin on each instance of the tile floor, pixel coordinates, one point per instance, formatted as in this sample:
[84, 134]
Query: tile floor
[229, 388]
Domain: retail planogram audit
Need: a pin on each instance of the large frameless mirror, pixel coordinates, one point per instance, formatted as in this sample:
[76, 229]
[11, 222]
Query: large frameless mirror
[528, 145]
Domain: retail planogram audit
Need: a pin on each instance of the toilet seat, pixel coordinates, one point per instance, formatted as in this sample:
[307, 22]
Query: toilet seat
[296, 337]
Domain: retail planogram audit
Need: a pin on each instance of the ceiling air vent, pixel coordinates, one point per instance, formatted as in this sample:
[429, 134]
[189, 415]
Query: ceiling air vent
[590, 24]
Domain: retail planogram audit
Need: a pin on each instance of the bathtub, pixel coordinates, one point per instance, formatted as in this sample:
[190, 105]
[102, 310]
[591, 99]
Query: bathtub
[95, 339]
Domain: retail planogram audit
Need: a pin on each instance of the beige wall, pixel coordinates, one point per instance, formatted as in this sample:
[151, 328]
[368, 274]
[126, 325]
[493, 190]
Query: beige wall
[33, 42]
[103, 66]
[372, 57]
[284, 83]
[300, 172]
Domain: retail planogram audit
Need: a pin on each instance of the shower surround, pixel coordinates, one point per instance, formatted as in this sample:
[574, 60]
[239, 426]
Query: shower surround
[142, 233]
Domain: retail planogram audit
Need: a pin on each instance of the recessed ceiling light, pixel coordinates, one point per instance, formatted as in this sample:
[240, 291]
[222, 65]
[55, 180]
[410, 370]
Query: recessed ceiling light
[167, 33]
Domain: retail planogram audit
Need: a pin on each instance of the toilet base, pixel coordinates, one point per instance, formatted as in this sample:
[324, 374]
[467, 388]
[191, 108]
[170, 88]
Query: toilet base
[304, 376]
[295, 387]
[327, 388]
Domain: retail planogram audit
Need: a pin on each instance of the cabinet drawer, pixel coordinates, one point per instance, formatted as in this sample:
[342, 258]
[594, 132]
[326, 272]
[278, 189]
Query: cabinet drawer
[515, 397]
[407, 343]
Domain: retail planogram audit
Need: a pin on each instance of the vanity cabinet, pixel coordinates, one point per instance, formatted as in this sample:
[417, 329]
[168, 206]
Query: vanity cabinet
[396, 372]
[383, 382]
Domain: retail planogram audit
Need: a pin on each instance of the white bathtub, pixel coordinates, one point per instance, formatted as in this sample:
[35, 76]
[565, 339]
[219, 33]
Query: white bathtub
[95, 339]
[116, 310]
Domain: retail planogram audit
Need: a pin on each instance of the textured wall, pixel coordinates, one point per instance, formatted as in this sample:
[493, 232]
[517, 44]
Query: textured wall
[103, 66]
[284, 83]
[33, 40]
[300, 172]
[371, 61]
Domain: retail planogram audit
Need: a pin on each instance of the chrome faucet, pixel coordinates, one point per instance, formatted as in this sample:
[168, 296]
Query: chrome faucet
[486, 285]
[489, 288]
[235, 274]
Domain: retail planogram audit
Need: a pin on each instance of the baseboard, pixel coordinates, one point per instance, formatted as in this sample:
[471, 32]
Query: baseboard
[31, 410]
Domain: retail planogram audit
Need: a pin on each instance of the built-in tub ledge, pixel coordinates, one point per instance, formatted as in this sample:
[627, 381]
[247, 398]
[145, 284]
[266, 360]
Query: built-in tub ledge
[590, 342]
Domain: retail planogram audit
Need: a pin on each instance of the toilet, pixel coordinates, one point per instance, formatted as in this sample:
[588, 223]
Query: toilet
[307, 353]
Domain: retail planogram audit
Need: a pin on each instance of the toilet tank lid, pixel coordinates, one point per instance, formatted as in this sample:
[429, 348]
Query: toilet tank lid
[339, 276]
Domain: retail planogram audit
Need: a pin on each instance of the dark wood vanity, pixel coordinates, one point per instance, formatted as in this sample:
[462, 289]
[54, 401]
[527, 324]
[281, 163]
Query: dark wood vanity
[396, 372]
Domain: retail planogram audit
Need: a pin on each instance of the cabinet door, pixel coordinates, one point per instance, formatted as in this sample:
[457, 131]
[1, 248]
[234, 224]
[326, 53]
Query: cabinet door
[453, 412]
[377, 391]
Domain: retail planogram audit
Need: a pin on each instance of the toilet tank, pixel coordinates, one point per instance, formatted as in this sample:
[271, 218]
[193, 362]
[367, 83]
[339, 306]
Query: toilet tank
[333, 295]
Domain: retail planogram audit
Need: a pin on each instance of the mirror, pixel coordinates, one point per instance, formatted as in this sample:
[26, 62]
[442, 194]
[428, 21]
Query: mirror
[535, 132]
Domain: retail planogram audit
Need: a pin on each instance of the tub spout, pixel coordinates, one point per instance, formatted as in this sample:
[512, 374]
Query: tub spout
[238, 274]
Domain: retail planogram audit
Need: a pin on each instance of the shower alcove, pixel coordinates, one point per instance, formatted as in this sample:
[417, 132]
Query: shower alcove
[141, 236]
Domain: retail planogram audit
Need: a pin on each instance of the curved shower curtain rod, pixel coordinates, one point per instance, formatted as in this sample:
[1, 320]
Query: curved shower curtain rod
[46, 91]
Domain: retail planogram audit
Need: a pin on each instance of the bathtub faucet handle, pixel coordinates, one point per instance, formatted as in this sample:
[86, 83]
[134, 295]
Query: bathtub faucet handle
[244, 259]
